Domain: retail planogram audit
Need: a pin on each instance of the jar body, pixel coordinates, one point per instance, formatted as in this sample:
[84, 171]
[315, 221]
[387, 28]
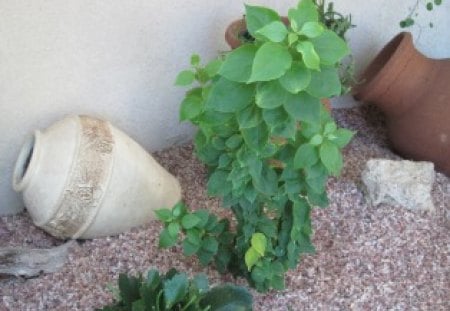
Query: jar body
[414, 94]
[83, 178]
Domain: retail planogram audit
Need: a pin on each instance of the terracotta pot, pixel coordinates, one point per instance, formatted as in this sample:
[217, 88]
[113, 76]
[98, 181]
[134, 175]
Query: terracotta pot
[414, 93]
[83, 178]
[238, 29]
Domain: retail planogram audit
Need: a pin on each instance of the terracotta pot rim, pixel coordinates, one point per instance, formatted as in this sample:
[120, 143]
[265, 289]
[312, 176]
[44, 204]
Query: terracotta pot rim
[232, 32]
[379, 67]
[237, 27]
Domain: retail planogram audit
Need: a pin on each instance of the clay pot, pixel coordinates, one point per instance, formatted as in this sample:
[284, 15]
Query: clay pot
[413, 92]
[83, 178]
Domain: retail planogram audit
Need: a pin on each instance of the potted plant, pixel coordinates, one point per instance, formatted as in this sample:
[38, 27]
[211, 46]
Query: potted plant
[268, 142]
[175, 291]
[237, 32]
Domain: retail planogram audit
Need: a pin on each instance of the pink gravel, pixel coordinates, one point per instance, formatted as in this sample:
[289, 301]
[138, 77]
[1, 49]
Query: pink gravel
[368, 258]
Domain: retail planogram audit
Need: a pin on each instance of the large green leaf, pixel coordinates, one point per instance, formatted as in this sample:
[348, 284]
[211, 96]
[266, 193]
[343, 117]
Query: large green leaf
[224, 160]
[153, 280]
[204, 256]
[274, 117]
[330, 47]
[204, 216]
[179, 210]
[306, 11]
[189, 248]
[249, 117]
[318, 199]
[259, 243]
[316, 177]
[193, 236]
[189, 221]
[309, 54]
[210, 244]
[238, 63]
[229, 96]
[275, 31]
[211, 117]
[213, 67]
[312, 29]
[305, 156]
[218, 143]
[296, 79]
[175, 289]
[191, 107]
[164, 214]
[287, 129]
[271, 61]
[277, 281]
[254, 166]
[304, 107]
[227, 298]
[342, 137]
[251, 258]
[201, 282]
[217, 183]
[267, 183]
[234, 141]
[331, 157]
[166, 239]
[185, 77]
[174, 229]
[258, 274]
[256, 17]
[271, 94]
[324, 83]
[129, 289]
[301, 216]
[256, 137]
[208, 154]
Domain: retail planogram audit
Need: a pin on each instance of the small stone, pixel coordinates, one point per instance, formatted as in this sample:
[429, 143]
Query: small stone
[405, 183]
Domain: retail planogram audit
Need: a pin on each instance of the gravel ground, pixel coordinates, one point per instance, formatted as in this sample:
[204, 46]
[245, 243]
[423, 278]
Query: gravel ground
[368, 258]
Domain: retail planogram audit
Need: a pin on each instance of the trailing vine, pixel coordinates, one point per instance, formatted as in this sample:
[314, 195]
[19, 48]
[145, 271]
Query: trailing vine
[409, 20]
[268, 142]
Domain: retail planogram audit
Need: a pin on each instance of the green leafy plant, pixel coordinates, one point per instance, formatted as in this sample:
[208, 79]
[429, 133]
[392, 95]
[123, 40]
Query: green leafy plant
[409, 20]
[268, 142]
[174, 291]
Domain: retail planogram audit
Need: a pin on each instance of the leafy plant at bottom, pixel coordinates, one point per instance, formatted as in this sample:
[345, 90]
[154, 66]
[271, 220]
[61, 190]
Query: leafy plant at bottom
[268, 142]
[174, 291]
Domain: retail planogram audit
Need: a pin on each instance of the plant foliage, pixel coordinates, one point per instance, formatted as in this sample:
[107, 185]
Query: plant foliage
[174, 291]
[267, 140]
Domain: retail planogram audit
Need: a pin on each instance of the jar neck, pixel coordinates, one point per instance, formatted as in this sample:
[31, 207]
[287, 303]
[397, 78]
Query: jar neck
[27, 162]
[394, 75]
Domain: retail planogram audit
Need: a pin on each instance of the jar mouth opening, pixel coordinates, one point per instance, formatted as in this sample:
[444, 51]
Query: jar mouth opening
[379, 62]
[24, 163]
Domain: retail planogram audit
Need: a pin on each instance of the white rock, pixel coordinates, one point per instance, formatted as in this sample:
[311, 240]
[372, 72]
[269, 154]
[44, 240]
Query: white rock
[405, 183]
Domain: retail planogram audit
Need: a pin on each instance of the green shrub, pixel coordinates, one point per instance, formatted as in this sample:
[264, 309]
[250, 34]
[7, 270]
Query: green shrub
[267, 140]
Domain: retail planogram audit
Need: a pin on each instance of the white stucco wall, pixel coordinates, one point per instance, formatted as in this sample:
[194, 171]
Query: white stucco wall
[118, 60]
